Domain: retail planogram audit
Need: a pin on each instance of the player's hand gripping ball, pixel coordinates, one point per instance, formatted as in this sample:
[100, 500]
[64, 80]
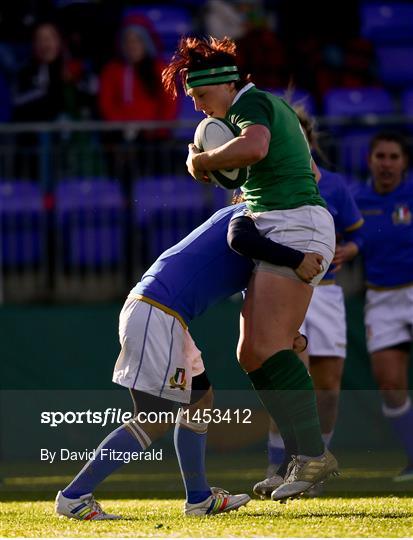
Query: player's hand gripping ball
[214, 132]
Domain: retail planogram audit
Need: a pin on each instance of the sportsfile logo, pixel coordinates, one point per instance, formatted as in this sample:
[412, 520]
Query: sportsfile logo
[108, 416]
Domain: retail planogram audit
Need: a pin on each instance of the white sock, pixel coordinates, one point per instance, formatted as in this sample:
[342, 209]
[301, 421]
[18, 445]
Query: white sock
[275, 439]
[327, 438]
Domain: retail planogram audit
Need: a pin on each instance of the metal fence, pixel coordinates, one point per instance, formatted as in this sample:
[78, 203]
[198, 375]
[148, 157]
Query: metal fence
[86, 207]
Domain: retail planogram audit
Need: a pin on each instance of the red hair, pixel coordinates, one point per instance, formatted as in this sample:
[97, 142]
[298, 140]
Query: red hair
[197, 53]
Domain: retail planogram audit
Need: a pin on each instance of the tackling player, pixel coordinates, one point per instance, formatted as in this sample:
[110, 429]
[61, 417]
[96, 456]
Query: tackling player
[160, 363]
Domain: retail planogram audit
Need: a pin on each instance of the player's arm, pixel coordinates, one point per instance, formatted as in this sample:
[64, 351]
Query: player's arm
[248, 148]
[353, 244]
[243, 237]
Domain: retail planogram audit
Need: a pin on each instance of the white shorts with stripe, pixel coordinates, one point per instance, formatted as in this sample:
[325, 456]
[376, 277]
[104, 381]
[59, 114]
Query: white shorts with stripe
[388, 317]
[158, 355]
[307, 229]
[325, 322]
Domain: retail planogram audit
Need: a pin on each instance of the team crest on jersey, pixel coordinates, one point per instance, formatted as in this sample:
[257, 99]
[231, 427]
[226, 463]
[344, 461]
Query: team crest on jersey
[402, 215]
[179, 379]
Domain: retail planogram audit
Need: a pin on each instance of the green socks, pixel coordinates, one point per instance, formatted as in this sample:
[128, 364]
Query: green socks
[286, 391]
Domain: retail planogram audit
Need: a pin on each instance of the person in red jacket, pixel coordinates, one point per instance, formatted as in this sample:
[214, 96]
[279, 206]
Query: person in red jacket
[130, 87]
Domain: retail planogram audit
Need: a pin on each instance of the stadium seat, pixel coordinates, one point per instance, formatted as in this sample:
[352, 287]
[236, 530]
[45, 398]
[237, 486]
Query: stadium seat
[171, 22]
[387, 22]
[90, 223]
[22, 224]
[299, 96]
[370, 103]
[357, 102]
[165, 209]
[395, 65]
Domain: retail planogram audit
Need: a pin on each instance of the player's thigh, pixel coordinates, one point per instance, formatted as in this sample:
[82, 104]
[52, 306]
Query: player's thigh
[307, 229]
[390, 368]
[273, 311]
[153, 414]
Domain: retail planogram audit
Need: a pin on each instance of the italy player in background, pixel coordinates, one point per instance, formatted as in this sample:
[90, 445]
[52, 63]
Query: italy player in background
[325, 321]
[160, 364]
[386, 203]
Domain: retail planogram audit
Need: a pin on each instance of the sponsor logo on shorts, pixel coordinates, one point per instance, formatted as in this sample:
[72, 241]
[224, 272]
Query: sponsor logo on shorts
[402, 215]
[179, 379]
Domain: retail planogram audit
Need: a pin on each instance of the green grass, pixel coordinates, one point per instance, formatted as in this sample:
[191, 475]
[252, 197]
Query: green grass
[344, 517]
[363, 502]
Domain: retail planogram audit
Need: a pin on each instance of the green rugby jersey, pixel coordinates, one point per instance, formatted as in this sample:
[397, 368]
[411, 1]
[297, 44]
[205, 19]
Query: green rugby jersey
[284, 178]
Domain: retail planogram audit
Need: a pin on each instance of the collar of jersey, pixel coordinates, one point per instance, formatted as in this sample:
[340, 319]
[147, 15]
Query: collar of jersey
[242, 91]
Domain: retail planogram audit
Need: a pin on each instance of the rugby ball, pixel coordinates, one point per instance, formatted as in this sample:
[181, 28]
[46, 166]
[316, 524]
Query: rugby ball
[214, 132]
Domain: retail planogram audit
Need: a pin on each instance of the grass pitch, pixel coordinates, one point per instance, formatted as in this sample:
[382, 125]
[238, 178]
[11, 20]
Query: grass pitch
[363, 502]
[344, 517]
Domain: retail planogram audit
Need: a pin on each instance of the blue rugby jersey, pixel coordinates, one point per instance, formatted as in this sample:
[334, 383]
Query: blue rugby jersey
[387, 235]
[199, 271]
[341, 205]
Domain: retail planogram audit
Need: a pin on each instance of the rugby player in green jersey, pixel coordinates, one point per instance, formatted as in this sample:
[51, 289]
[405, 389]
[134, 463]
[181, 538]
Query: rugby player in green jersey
[284, 201]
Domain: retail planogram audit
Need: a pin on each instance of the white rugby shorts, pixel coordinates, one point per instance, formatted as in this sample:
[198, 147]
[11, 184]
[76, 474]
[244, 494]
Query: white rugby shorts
[388, 317]
[325, 322]
[158, 355]
[307, 229]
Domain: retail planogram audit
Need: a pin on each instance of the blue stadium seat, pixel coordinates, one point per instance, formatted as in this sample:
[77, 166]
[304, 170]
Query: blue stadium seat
[395, 65]
[22, 224]
[407, 102]
[165, 209]
[353, 141]
[357, 102]
[387, 22]
[171, 22]
[301, 96]
[90, 223]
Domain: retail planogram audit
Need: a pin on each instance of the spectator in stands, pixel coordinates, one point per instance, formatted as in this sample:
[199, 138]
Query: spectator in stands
[51, 85]
[130, 86]
[131, 90]
[350, 65]
[268, 70]
[252, 28]
[387, 207]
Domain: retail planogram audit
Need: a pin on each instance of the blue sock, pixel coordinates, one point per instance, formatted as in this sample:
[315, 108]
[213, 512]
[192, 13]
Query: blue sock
[190, 450]
[401, 419]
[275, 454]
[96, 470]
